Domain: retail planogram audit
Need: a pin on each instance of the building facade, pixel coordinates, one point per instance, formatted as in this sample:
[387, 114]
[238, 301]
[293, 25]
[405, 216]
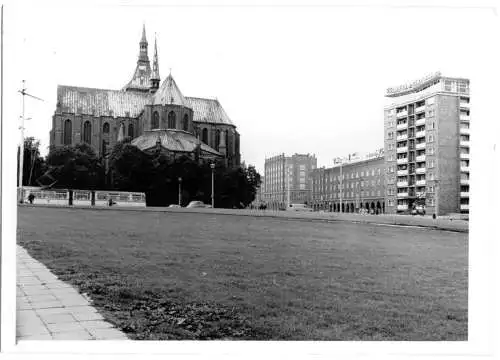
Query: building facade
[350, 186]
[287, 179]
[426, 144]
[155, 116]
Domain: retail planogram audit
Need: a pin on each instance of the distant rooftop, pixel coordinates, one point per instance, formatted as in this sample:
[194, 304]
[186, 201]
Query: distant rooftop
[418, 85]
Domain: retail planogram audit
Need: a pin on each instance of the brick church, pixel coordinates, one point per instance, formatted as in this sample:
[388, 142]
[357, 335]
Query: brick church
[157, 117]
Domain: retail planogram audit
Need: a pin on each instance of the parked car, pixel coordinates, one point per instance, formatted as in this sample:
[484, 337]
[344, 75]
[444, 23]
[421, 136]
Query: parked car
[299, 207]
[174, 206]
[196, 204]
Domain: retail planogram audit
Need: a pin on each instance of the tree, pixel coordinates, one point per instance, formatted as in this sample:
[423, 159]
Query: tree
[236, 188]
[252, 184]
[33, 164]
[131, 168]
[75, 167]
[158, 176]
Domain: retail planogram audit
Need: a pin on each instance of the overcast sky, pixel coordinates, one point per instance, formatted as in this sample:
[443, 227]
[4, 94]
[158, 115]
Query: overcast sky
[292, 79]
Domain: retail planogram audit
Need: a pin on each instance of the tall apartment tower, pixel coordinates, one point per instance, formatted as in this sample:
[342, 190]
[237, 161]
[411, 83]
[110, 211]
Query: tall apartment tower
[426, 144]
[288, 180]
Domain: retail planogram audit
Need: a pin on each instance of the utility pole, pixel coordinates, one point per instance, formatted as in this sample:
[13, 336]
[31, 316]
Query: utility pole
[212, 166]
[288, 186]
[341, 210]
[21, 148]
[436, 211]
[180, 191]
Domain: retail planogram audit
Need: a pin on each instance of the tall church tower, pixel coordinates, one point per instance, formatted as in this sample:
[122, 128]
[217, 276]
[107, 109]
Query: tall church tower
[154, 82]
[142, 73]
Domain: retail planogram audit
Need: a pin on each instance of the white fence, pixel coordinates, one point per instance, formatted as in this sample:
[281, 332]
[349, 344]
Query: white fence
[120, 198]
[49, 197]
[84, 197]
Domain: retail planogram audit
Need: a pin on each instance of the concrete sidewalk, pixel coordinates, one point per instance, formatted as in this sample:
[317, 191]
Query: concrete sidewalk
[49, 309]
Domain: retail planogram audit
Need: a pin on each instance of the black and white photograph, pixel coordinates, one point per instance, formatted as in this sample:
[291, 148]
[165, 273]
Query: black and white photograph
[247, 174]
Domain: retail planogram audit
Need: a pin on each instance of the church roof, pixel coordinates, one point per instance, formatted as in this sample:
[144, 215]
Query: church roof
[169, 94]
[120, 103]
[208, 111]
[172, 140]
[100, 102]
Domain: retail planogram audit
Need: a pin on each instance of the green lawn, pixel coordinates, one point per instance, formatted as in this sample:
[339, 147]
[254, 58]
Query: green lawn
[206, 276]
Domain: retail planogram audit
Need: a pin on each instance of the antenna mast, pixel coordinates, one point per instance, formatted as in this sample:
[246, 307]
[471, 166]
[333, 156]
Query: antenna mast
[21, 147]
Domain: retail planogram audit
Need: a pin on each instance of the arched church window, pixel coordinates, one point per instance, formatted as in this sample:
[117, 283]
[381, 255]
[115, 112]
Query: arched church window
[156, 120]
[185, 123]
[105, 128]
[171, 120]
[217, 139]
[87, 132]
[204, 136]
[131, 130]
[68, 132]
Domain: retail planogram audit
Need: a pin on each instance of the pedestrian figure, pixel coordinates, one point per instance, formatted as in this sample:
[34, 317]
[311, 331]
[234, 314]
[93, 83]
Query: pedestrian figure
[31, 198]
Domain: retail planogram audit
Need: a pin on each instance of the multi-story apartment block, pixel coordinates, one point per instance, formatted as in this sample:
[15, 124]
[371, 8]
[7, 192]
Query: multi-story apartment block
[350, 186]
[426, 145]
[287, 179]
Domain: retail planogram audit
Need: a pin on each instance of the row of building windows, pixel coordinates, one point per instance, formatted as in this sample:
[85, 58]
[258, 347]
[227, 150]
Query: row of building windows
[204, 137]
[361, 193]
[87, 132]
[171, 121]
[352, 175]
[348, 184]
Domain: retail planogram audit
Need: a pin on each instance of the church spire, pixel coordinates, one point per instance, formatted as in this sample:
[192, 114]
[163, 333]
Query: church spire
[143, 39]
[155, 75]
[142, 73]
[143, 46]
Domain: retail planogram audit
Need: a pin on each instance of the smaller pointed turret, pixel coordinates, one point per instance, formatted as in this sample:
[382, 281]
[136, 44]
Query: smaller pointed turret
[121, 133]
[155, 74]
[197, 149]
[158, 144]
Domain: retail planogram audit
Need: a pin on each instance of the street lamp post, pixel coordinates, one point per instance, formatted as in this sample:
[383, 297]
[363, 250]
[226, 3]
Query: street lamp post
[212, 166]
[436, 203]
[360, 191]
[180, 191]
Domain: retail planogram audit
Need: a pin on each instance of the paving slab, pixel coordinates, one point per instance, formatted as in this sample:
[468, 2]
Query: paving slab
[50, 309]
[79, 335]
[65, 327]
[95, 324]
[61, 318]
[109, 334]
[87, 316]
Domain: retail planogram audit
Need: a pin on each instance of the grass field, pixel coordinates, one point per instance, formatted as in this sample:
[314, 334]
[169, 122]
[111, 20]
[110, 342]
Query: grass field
[206, 276]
